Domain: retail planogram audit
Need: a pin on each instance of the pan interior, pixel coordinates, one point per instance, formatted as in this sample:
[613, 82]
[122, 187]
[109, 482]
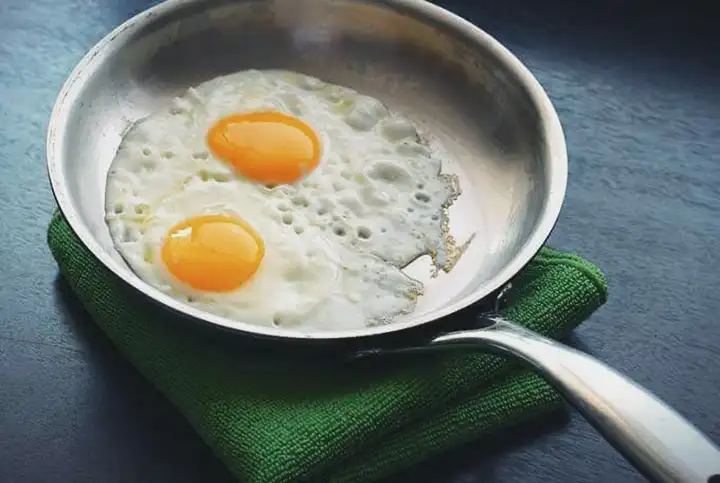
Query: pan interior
[453, 81]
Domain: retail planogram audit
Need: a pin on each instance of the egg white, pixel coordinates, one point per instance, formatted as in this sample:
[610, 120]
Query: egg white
[375, 202]
[302, 282]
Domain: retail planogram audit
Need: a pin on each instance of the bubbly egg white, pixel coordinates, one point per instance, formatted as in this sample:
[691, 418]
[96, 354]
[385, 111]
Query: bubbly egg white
[336, 241]
[302, 279]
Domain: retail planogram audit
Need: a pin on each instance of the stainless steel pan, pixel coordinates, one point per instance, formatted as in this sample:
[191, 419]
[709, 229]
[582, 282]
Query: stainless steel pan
[448, 75]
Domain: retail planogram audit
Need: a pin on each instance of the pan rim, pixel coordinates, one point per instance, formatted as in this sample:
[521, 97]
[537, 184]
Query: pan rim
[554, 146]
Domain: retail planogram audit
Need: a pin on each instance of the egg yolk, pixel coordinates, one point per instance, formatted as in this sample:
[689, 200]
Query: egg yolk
[267, 147]
[215, 253]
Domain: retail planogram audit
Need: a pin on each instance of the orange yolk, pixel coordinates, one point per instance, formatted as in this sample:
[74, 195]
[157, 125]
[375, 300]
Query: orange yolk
[212, 252]
[267, 147]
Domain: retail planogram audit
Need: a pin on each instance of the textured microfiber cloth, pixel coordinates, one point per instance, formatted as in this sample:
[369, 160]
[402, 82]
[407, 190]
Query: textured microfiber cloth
[275, 420]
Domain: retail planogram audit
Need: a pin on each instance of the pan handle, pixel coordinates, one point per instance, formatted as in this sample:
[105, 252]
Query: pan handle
[659, 442]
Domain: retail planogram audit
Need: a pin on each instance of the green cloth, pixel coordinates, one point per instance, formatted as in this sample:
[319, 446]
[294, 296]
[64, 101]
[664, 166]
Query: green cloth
[275, 420]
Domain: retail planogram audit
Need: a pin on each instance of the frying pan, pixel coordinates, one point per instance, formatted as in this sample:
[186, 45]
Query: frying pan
[457, 83]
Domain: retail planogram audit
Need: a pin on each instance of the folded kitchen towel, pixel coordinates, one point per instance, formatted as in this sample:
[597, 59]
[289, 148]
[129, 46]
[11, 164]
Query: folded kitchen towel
[274, 418]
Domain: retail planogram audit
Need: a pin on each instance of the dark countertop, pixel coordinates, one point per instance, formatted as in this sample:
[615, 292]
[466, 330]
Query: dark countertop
[636, 90]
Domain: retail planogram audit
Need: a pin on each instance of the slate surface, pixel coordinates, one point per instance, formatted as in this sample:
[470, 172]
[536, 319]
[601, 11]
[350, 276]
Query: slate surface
[636, 88]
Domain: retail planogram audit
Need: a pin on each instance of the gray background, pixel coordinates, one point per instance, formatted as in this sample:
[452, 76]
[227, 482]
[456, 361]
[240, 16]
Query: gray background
[636, 90]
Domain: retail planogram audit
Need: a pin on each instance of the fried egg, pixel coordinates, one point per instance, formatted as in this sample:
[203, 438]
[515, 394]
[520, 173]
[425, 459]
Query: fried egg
[234, 258]
[275, 198]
